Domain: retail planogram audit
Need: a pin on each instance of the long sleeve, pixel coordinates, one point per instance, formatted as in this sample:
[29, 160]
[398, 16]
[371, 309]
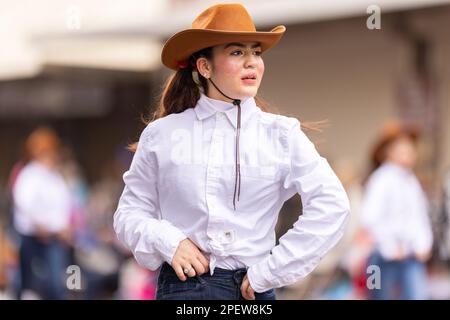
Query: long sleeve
[374, 211]
[137, 220]
[373, 202]
[325, 213]
[25, 196]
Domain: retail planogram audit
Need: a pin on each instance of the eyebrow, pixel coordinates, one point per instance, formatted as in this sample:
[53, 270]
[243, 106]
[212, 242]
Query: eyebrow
[241, 45]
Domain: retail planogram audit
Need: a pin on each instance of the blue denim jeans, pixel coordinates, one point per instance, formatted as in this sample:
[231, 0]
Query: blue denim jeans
[52, 258]
[404, 279]
[223, 285]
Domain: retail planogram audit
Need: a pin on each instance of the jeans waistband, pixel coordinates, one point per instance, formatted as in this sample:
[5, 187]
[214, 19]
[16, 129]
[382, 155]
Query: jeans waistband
[237, 275]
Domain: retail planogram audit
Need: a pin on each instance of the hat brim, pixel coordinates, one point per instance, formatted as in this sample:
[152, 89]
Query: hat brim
[184, 43]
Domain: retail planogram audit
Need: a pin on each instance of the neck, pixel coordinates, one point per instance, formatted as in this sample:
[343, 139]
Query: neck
[400, 164]
[221, 95]
[46, 162]
[214, 94]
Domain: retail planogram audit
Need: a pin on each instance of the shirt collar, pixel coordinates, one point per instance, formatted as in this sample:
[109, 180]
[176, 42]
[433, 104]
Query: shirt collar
[396, 168]
[207, 107]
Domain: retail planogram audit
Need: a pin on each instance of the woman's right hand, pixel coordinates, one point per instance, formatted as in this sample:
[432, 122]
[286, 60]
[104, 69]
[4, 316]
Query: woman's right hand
[423, 256]
[188, 256]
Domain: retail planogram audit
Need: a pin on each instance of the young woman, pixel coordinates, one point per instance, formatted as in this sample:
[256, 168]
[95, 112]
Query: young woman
[42, 216]
[395, 217]
[212, 171]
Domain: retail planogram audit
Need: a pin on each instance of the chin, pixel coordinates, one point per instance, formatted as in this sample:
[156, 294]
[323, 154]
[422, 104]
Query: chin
[245, 94]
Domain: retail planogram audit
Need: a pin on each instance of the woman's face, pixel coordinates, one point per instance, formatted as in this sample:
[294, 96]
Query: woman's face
[236, 69]
[403, 152]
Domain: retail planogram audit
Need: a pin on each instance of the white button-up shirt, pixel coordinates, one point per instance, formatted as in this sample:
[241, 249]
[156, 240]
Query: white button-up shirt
[395, 212]
[41, 197]
[181, 183]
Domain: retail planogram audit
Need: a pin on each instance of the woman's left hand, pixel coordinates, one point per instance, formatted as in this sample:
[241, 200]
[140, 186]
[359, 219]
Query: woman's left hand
[246, 289]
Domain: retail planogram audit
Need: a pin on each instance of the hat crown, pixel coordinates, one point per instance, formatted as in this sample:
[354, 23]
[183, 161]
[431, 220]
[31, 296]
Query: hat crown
[225, 17]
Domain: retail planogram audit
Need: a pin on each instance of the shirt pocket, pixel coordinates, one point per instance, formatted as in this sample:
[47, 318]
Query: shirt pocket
[259, 187]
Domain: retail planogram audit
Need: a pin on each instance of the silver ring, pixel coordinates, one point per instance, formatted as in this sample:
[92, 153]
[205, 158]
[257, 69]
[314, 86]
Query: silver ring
[186, 270]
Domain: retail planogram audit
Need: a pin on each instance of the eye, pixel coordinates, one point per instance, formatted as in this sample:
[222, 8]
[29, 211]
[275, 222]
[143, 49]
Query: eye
[236, 53]
[257, 53]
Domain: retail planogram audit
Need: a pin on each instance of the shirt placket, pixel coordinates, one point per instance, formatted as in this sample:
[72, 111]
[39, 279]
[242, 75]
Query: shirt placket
[216, 223]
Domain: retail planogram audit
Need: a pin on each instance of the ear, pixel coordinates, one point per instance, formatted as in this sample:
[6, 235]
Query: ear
[203, 67]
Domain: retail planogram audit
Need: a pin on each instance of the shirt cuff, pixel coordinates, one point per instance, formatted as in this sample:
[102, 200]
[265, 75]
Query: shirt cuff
[259, 277]
[422, 247]
[168, 240]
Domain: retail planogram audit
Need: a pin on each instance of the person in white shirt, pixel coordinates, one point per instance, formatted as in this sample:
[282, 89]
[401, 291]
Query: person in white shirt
[395, 216]
[41, 216]
[212, 171]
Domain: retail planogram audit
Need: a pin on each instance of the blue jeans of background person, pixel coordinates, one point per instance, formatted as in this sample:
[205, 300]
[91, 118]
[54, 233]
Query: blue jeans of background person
[43, 266]
[223, 285]
[404, 279]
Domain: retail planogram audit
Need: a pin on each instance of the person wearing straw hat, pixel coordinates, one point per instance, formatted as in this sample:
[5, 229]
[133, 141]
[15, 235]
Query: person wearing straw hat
[214, 167]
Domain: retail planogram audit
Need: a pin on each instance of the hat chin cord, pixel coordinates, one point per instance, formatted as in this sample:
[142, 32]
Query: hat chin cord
[237, 175]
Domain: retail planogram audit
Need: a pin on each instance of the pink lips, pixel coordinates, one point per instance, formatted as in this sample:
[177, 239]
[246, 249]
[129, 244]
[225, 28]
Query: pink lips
[249, 79]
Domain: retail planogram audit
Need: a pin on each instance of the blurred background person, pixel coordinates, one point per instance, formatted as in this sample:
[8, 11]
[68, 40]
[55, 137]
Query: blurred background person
[395, 217]
[42, 216]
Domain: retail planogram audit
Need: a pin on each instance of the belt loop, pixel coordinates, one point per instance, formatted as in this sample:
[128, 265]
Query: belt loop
[238, 276]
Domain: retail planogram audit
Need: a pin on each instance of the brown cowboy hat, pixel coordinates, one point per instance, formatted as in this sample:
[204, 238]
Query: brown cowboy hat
[219, 24]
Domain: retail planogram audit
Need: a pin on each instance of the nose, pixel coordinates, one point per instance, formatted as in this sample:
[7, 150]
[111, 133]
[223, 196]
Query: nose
[251, 61]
